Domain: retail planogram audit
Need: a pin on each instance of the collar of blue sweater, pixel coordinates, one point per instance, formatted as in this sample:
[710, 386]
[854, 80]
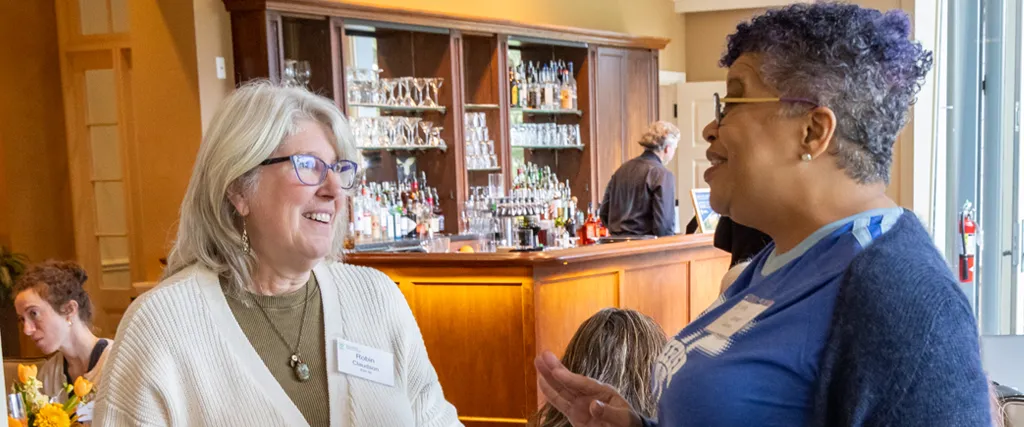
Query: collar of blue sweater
[778, 260]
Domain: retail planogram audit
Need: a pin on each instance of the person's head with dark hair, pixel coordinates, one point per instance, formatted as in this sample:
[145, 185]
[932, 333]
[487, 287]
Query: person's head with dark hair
[617, 347]
[817, 96]
[52, 303]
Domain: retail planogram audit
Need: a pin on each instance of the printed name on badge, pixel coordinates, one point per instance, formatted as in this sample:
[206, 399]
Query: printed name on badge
[366, 362]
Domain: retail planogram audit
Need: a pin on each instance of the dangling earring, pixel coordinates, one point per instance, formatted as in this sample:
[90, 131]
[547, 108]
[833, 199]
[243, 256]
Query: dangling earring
[69, 322]
[245, 240]
[806, 157]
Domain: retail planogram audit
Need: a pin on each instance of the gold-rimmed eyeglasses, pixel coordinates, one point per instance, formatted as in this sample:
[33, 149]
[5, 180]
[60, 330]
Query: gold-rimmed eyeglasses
[721, 102]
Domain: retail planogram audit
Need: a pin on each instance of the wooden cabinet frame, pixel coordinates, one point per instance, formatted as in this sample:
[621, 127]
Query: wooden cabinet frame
[258, 34]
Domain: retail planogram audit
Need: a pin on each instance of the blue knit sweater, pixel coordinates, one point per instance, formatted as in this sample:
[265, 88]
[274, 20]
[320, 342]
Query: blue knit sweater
[902, 347]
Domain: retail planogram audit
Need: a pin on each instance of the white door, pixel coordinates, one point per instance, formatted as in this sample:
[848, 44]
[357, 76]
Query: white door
[667, 94]
[696, 105]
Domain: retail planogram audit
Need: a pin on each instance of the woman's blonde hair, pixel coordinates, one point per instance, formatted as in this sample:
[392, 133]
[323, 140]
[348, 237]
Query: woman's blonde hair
[249, 125]
[659, 135]
[617, 347]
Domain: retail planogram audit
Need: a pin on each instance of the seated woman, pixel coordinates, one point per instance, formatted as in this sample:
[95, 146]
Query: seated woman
[851, 316]
[256, 322]
[56, 313]
[616, 347]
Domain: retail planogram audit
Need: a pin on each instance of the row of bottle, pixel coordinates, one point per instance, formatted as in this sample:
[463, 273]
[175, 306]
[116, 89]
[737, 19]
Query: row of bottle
[550, 86]
[390, 211]
[536, 183]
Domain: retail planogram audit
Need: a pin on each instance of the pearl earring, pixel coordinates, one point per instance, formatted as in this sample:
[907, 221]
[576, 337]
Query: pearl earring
[806, 157]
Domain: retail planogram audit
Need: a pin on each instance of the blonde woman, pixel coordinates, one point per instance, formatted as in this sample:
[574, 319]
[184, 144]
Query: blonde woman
[640, 199]
[618, 348]
[256, 322]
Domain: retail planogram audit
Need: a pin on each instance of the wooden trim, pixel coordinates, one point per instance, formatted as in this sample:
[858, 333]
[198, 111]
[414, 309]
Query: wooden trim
[452, 21]
[338, 46]
[591, 122]
[504, 107]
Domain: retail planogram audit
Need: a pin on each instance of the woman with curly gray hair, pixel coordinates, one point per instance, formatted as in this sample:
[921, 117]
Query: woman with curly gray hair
[851, 317]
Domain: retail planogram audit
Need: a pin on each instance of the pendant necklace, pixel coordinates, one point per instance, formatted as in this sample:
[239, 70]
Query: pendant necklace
[300, 368]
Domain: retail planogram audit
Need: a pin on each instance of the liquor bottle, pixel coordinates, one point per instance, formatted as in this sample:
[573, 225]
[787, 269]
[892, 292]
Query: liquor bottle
[513, 86]
[536, 88]
[521, 83]
[568, 89]
[438, 213]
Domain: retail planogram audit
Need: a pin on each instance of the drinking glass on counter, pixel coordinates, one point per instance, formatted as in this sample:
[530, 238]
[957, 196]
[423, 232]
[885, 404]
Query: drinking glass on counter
[437, 244]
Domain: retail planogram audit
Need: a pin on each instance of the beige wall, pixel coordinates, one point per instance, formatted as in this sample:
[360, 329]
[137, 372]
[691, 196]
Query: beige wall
[637, 17]
[167, 119]
[35, 196]
[213, 39]
[705, 35]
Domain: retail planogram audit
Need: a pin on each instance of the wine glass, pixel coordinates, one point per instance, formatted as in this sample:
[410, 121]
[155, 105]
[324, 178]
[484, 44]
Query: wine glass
[425, 127]
[407, 86]
[389, 87]
[303, 73]
[435, 137]
[435, 85]
[288, 76]
[400, 123]
[411, 125]
[419, 84]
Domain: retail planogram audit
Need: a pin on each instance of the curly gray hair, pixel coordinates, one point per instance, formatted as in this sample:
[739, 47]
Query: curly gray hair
[659, 135]
[858, 62]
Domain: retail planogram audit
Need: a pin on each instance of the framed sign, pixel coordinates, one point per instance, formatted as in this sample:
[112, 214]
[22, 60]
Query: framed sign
[707, 218]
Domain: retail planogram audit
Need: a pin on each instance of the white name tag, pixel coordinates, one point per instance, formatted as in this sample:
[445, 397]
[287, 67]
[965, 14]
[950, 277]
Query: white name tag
[738, 316]
[84, 411]
[366, 362]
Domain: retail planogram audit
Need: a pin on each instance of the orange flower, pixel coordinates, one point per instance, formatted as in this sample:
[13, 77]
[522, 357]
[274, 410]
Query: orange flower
[13, 422]
[82, 387]
[26, 371]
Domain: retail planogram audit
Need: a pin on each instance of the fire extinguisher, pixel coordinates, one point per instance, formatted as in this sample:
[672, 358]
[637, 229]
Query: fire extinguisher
[968, 230]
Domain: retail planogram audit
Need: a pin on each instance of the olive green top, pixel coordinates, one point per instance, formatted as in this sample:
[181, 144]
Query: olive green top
[285, 311]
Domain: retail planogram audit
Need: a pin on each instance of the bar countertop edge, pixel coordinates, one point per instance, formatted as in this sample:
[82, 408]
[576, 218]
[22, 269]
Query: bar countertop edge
[519, 259]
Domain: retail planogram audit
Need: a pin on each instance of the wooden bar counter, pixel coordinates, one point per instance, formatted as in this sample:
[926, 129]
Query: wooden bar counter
[485, 316]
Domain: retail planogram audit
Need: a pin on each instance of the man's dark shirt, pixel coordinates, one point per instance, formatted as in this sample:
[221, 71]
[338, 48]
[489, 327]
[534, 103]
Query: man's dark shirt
[640, 198]
[739, 240]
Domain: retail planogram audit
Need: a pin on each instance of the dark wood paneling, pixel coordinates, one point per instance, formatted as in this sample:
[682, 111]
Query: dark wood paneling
[310, 40]
[254, 40]
[482, 71]
[469, 330]
[338, 57]
[611, 113]
[639, 113]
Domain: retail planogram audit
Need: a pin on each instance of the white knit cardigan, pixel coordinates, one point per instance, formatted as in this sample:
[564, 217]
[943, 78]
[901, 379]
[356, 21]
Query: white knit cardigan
[181, 359]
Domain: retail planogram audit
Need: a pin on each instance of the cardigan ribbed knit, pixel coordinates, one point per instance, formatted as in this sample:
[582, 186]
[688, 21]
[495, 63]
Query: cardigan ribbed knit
[181, 359]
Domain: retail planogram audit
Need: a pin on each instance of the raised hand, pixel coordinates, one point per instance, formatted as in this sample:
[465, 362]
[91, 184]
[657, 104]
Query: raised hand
[584, 401]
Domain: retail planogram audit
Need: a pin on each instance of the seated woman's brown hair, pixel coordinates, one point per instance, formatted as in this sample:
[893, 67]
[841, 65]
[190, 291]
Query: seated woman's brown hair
[617, 347]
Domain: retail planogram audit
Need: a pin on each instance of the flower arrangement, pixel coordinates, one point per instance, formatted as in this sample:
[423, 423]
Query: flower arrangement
[41, 410]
